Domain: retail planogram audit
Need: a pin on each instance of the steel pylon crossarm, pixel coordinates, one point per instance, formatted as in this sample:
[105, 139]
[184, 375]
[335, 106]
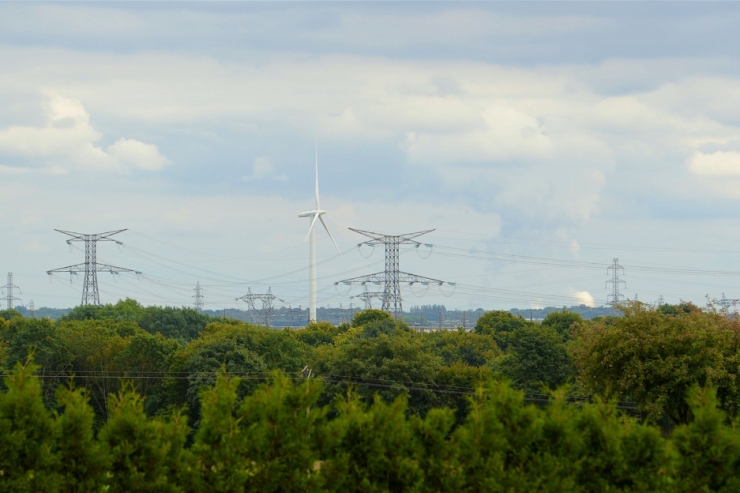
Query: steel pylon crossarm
[86, 237]
[392, 276]
[91, 267]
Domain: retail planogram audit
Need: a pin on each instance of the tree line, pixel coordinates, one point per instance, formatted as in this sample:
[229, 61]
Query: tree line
[165, 399]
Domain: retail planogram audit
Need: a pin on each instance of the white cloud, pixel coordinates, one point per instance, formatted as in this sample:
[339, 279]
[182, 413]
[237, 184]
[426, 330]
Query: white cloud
[582, 297]
[263, 169]
[506, 134]
[539, 142]
[138, 154]
[11, 170]
[715, 164]
[575, 247]
[68, 141]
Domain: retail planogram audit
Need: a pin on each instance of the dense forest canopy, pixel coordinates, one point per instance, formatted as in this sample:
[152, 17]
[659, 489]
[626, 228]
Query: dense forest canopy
[146, 396]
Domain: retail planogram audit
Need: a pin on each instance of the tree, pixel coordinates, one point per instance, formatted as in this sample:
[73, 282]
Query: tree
[373, 449]
[654, 358]
[27, 435]
[536, 357]
[84, 461]
[319, 333]
[462, 346]
[26, 336]
[233, 347]
[10, 313]
[284, 430]
[182, 324]
[387, 365]
[499, 324]
[708, 451]
[145, 454]
[94, 345]
[562, 322]
[370, 315]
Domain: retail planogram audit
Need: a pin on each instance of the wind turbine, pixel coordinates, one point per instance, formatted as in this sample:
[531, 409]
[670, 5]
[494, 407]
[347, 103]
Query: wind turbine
[315, 215]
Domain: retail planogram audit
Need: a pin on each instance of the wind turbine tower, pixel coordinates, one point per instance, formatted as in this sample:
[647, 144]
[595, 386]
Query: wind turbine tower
[314, 215]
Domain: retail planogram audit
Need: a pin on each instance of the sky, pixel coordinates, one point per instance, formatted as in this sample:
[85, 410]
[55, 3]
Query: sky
[539, 140]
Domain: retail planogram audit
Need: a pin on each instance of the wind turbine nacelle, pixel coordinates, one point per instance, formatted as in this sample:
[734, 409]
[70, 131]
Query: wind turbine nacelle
[311, 213]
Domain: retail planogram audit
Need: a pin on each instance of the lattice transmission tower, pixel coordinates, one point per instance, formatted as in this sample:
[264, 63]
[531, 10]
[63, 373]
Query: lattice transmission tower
[727, 303]
[615, 296]
[198, 297]
[264, 315]
[91, 267]
[367, 296]
[7, 290]
[392, 276]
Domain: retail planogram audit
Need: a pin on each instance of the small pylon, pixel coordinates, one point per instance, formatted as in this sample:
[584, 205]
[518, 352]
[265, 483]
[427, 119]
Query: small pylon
[198, 297]
[615, 296]
[8, 291]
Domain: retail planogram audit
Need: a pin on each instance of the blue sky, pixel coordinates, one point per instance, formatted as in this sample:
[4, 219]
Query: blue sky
[576, 132]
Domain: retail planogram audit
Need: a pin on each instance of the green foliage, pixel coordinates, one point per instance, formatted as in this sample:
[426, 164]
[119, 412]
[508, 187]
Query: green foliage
[400, 411]
[654, 358]
[373, 449]
[389, 365]
[145, 454]
[9, 314]
[181, 324]
[319, 333]
[27, 436]
[241, 349]
[680, 309]
[462, 346]
[285, 430]
[371, 315]
[84, 461]
[500, 324]
[51, 353]
[562, 322]
[708, 451]
[279, 439]
[536, 357]
[81, 312]
[220, 445]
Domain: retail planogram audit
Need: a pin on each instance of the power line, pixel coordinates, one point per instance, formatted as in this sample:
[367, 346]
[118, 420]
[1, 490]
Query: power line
[616, 296]
[8, 290]
[91, 267]
[198, 297]
[267, 308]
[392, 276]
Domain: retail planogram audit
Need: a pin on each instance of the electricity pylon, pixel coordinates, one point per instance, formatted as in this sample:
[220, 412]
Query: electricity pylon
[267, 309]
[90, 292]
[8, 291]
[198, 297]
[392, 276]
[616, 297]
[727, 303]
[367, 296]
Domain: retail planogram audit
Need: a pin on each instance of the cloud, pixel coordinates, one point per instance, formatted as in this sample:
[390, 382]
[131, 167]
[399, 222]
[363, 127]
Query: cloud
[67, 141]
[138, 154]
[582, 297]
[538, 143]
[263, 169]
[11, 170]
[716, 164]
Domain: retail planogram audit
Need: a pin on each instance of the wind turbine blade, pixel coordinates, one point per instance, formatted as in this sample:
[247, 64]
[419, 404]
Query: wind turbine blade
[329, 233]
[317, 177]
[313, 222]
